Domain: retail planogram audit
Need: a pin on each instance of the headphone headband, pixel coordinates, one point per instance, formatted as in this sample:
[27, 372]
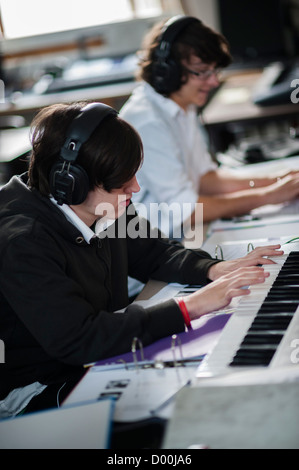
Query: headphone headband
[82, 127]
[166, 73]
[69, 182]
[170, 31]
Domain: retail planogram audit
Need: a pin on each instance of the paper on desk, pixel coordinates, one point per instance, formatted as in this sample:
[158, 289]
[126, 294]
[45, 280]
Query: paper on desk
[139, 393]
[279, 222]
[238, 248]
[280, 229]
[287, 211]
[278, 215]
[273, 167]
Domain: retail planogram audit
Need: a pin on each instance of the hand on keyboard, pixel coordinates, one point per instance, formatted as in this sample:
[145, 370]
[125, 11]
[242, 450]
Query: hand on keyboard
[254, 258]
[219, 293]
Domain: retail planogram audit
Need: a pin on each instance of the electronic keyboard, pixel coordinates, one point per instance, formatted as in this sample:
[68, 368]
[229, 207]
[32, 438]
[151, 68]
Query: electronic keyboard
[264, 329]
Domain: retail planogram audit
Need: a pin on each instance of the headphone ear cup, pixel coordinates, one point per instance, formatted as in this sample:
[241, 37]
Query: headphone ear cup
[167, 77]
[69, 184]
[167, 74]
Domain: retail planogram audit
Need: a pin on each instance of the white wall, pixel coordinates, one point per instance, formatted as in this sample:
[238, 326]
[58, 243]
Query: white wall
[206, 10]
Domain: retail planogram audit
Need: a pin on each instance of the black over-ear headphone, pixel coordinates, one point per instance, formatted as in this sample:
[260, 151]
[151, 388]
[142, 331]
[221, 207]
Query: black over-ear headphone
[166, 72]
[69, 183]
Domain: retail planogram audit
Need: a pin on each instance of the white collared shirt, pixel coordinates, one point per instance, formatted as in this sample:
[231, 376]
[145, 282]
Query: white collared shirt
[175, 149]
[87, 233]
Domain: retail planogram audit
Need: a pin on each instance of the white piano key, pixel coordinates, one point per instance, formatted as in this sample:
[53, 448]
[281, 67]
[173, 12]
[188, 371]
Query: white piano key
[217, 362]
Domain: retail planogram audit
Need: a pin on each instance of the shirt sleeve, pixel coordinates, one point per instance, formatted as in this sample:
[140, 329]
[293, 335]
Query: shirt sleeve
[152, 256]
[163, 170]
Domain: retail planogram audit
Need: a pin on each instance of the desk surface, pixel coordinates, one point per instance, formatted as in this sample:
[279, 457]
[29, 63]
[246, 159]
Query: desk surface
[109, 94]
[13, 143]
[232, 102]
[257, 416]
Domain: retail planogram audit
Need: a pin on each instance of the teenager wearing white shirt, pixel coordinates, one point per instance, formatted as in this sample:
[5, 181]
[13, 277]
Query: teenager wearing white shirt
[179, 68]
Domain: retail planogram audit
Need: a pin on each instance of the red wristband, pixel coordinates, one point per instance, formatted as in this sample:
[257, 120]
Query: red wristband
[184, 311]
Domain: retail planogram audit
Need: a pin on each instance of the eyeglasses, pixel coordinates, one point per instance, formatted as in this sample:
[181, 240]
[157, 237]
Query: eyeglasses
[205, 74]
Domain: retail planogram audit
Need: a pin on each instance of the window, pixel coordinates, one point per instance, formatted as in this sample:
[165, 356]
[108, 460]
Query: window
[32, 17]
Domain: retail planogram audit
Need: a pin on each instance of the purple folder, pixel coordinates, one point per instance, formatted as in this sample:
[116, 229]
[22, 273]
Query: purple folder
[187, 345]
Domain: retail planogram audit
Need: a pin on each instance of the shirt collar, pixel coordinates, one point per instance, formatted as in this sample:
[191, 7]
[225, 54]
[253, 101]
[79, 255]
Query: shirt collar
[87, 233]
[167, 104]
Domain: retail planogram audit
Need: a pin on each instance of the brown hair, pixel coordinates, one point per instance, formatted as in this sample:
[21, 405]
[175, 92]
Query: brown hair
[111, 156]
[195, 39]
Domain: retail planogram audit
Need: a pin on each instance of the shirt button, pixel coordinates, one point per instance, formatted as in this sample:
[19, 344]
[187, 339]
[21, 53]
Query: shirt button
[79, 240]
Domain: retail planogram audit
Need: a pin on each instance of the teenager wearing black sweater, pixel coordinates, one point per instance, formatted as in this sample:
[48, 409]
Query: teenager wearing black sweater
[63, 278]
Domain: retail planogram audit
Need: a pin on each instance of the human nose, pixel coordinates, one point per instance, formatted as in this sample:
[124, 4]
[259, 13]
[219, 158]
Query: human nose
[133, 185]
[213, 79]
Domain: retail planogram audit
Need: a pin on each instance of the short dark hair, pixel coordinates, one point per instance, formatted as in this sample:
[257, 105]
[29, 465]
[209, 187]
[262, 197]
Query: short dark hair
[111, 156]
[195, 39]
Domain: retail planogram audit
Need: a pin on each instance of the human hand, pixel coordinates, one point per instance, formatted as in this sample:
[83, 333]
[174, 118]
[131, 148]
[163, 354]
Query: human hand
[254, 258]
[283, 190]
[219, 293]
[291, 172]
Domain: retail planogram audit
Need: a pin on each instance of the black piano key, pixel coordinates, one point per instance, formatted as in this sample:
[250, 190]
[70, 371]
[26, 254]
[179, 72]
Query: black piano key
[293, 254]
[253, 357]
[267, 338]
[288, 270]
[249, 362]
[264, 311]
[278, 308]
[293, 275]
[286, 288]
[290, 264]
[255, 353]
[281, 295]
[279, 324]
[287, 280]
[273, 318]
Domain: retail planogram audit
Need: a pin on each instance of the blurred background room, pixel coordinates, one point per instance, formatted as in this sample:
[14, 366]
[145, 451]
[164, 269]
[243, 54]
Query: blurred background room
[67, 51]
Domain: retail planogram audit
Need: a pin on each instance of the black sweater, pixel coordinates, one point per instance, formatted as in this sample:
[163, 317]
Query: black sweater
[59, 295]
